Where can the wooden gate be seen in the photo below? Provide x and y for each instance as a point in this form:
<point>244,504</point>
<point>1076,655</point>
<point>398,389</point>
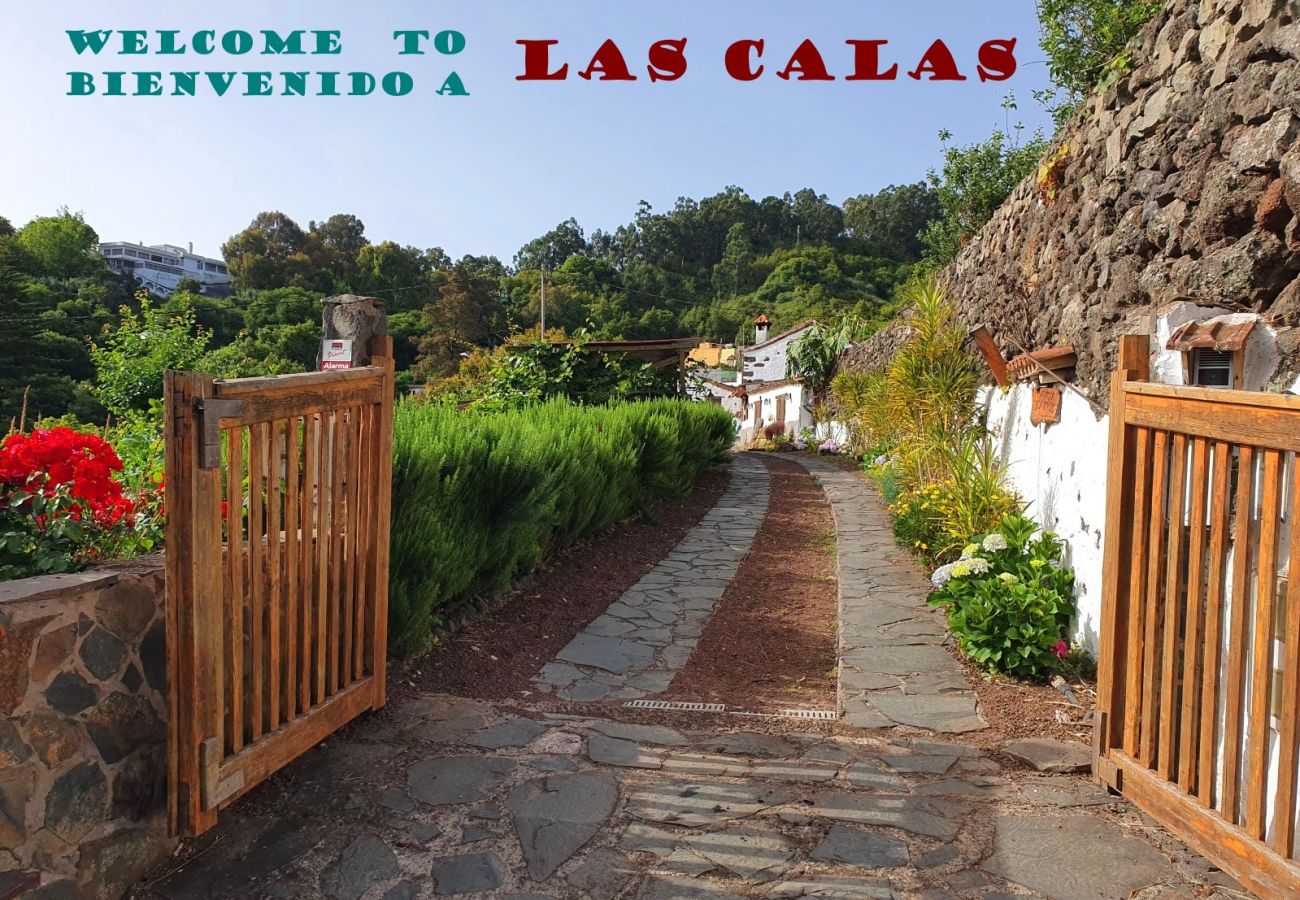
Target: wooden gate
<point>278,494</point>
<point>1199,676</point>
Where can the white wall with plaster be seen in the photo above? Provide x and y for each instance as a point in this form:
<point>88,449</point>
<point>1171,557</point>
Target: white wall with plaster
<point>1059,470</point>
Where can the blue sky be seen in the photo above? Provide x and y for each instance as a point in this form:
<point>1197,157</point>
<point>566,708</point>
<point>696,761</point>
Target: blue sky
<point>485,173</point>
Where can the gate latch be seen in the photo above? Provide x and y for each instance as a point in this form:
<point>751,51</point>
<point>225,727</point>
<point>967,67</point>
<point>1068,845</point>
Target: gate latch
<point>209,411</point>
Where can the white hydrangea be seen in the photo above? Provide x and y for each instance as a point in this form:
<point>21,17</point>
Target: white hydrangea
<point>942,575</point>
<point>970,550</point>
<point>977,565</point>
<point>995,542</point>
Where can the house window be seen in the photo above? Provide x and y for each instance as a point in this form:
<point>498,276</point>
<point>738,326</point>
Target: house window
<point>1212,368</point>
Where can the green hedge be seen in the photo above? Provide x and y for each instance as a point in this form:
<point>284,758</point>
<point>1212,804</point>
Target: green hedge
<point>479,498</point>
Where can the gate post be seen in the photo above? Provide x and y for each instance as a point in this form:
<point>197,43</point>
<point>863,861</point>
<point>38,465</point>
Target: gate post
<point>1133,365</point>
<point>381,354</point>
<point>193,606</point>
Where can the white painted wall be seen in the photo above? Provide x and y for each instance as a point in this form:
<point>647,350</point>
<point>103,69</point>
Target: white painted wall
<point>766,362</point>
<point>797,415</point>
<point>1059,470</point>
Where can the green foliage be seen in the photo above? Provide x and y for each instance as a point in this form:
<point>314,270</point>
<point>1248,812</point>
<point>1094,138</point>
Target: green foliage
<point>129,365</point>
<point>479,498</point>
<point>814,356</point>
<point>52,546</point>
<point>61,245</point>
<point>1009,599</point>
<point>1087,44</point>
<point>891,220</point>
<point>543,370</point>
<point>972,184</point>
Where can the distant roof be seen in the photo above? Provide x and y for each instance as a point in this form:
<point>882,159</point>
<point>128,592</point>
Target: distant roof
<point>1223,333</point>
<point>763,320</point>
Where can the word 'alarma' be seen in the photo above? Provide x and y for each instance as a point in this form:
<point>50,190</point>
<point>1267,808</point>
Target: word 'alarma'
<point>237,42</point>
<point>745,61</point>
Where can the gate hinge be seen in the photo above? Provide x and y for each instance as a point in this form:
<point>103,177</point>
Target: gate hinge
<point>209,411</point>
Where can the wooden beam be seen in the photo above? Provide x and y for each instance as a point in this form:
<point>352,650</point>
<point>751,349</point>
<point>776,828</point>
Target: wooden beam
<point>992,355</point>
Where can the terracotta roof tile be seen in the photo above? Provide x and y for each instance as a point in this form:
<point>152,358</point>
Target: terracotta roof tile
<point>1215,334</point>
<point>1027,365</point>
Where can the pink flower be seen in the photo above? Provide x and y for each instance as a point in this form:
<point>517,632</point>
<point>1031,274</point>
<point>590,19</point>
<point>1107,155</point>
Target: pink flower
<point>1062,649</point>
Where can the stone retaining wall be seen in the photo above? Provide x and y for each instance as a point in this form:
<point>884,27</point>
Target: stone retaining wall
<point>1181,181</point>
<point>83,743</point>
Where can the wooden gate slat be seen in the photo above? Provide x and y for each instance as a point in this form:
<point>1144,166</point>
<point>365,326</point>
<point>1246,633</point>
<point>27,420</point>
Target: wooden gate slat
<point>275,602</point>
<point>235,586</point>
<point>1166,758</point>
<point>292,531</point>
<point>360,544</point>
<point>1262,645</point>
<point>347,588</point>
<point>307,500</point>
<point>1198,480</point>
<point>1137,589</point>
<point>1235,676</point>
<point>1151,639</point>
<point>338,437</point>
<point>1289,728</point>
<point>1219,519</point>
<point>256,576</point>
<point>322,552</point>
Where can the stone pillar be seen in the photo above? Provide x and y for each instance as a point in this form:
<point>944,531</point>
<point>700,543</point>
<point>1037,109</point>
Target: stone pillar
<point>354,318</point>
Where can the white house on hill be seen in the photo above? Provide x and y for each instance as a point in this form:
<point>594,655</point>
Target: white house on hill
<point>762,397</point>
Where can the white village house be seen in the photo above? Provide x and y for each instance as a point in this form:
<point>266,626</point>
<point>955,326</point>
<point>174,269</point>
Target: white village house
<point>762,396</point>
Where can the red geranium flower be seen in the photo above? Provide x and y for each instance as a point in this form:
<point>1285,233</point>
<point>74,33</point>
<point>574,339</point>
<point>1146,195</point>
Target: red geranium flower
<point>49,459</point>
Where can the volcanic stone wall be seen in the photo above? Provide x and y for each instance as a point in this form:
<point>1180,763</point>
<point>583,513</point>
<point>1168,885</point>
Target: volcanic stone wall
<point>82,744</point>
<point>1179,182</point>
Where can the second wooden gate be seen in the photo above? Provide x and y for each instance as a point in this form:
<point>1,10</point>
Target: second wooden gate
<point>278,493</point>
<point>1199,677</point>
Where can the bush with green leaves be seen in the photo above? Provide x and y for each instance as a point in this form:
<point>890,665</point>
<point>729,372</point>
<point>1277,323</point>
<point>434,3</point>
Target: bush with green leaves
<point>480,497</point>
<point>1010,599</point>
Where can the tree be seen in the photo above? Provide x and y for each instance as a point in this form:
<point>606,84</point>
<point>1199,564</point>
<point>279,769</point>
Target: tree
<point>129,364</point>
<point>464,316</point>
<point>972,185</point>
<point>1087,42</point>
<point>6,227</point>
<point>399,275</point>
<point>891,220</point>
<point>60,246</point>
<point>819,220</point>
<point>336,243</point>
<point>269,253</point>
<point>282,306</point>
<point>551,249</point>
<point>733,274</point>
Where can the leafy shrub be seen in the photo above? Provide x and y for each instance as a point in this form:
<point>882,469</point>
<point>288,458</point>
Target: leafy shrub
<point>61,502</point>
<point>1009,599</point>
<point>480,497</point>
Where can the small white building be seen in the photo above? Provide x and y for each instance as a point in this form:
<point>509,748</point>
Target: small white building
<point>161,267</point>
<point>762,398</point>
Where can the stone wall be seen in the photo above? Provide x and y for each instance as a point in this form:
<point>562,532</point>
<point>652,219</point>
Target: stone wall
<point>1179,182</point>
<point>83,744</point>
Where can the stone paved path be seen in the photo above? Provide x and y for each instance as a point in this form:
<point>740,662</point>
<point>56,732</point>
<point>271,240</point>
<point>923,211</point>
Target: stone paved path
<point>893,669</point>
<point>447,796</point>
<point>460,797</point>
<point>644,639</point>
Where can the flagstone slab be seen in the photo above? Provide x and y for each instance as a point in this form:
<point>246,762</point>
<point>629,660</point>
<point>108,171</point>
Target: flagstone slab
<point>893,667</point>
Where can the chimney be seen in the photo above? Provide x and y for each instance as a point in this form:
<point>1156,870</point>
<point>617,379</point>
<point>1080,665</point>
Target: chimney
<point>761,326</point>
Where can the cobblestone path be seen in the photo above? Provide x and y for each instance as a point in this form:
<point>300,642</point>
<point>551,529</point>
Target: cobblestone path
<point>893,669</point>
<point>643,640</point>
<point>449,796</point>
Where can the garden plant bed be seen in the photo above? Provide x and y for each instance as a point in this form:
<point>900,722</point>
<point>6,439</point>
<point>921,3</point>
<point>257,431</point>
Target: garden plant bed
<point>496,655</point>
<point>771,641</point>
<point>1022,709</point>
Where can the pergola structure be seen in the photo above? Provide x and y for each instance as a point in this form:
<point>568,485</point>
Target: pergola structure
<point>661,354</point>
